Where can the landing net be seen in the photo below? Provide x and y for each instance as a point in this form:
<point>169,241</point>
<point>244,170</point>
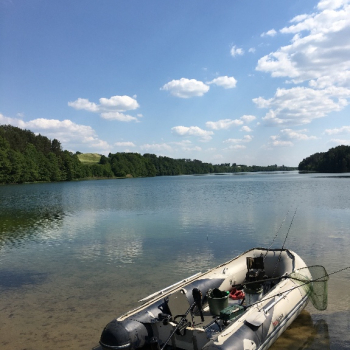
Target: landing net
<point>314,280</point>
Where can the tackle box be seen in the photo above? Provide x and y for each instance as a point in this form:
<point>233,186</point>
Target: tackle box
<point>231,312</point>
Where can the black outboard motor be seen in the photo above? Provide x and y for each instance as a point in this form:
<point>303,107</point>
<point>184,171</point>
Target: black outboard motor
<point>123,335</point>
<point>256,273</point>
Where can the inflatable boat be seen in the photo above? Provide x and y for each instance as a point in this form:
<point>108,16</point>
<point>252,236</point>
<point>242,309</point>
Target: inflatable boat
<point>243,304</point>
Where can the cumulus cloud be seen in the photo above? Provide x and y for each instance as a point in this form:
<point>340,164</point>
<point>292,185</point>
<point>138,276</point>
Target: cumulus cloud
<point>235,51</point>
<point>252,50</point>
<point>318,52</point>
<point>296,135</point>
<point>271,32</point>
<point>109,108</point>
<point>287,136</point>
<point>248,118</point>
<point>223,124</point>
<point>340,141</point>
<point>119,103</point>
<point>118,116</point>
<point>246,129</point>
<point>280,143</point>
<point>225,81</point>
<point>338,131</point>
<point>83,103</point>
<point>204,135</point>
<point>246,138</point>
<point>186,88</point>
<point>227,123</point>
<point>300,105</point>
<point>68,132</point>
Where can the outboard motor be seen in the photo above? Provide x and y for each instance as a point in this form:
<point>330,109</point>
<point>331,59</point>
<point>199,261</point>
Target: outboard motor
<point>253,288</point>
<point>123,335</point>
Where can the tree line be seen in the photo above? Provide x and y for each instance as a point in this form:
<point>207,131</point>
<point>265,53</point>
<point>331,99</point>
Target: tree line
<point>26,157</point>
<point>335,160</point>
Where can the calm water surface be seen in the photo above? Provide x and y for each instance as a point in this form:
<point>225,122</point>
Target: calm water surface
<point>75,255</point>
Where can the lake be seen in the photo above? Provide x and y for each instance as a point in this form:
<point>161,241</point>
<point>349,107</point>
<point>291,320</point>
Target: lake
<point>75,255</point>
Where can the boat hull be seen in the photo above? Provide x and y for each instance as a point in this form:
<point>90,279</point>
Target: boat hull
<point>155,322</point>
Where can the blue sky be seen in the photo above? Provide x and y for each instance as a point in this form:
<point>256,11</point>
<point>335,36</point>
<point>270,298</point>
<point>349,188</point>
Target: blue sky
<point>249,82</point>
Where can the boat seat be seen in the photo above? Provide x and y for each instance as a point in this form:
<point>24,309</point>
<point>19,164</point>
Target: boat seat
<point>178,303</point>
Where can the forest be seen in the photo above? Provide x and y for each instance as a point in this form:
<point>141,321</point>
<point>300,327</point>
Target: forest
<point>335,160</point>
<point>26,157</point>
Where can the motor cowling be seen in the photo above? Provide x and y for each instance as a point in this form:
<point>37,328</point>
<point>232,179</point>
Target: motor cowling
<point>124,335</point>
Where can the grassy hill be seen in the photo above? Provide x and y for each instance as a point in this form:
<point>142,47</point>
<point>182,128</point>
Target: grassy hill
<point>89,158</point>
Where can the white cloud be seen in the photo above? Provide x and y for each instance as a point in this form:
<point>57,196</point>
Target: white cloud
<point>340,142</point>
<point>319,49</point>
<point>337,131</point>
<point>287,136</point>
<point>192,131</point>
<point>186,88</point>
<point>246,138</point>
<point>252,50</point>
<point>118,116</point>
<point>331,4</point>
<point>271,32</point>
<point>69,133</point>
<point>236,51</point>
<point>225,81</point>
<point>248,118</point>
<point>296,135</point>
<point>279,143</point>
<point>223,124</point>
<point>227,123</point>
<point>119,103</point>
<point>246,129</point>
<point>125,144</point>
<point>109,108</point>
<point>301,105</point>
<point>83,103</point>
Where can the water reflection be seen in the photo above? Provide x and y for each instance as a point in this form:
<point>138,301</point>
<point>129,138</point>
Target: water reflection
<point>122,250</point>
<point>17,227</point>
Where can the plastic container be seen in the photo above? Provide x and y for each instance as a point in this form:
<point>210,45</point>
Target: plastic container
<point>231,312</point>
<point>217,300</point>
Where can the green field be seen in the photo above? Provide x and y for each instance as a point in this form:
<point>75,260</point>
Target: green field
<point>89,158</point>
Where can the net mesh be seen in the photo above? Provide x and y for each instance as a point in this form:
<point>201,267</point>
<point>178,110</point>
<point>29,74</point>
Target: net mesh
<point>314,280</point>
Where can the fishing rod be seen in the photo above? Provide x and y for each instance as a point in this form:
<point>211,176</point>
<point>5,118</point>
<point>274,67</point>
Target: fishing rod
<point>285,239</point>
<point>283,221</point>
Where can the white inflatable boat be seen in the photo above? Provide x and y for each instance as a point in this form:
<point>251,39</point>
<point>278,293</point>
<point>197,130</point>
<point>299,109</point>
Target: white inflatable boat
<point>244,304</point>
